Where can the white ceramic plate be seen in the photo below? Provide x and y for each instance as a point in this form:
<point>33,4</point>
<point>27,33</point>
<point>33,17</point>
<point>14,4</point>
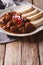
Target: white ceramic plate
<point>16,9</point>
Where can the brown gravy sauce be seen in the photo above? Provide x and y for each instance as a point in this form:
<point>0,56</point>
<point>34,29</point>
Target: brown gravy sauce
<point>29,29</point>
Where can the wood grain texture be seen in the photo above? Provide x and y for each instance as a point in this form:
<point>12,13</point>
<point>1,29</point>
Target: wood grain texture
<point>38,3</point>
<point>13,53</point>
<point>40,43</point>
<point>30,52</point>
<point>2,52</point>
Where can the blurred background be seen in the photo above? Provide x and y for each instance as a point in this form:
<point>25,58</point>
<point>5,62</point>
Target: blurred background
<point>7,3</point>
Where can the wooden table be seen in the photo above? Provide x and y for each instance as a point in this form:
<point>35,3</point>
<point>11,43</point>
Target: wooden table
<point>26,51</point>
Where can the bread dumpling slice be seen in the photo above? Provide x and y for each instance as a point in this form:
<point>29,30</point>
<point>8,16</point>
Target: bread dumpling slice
<point>24,10</point>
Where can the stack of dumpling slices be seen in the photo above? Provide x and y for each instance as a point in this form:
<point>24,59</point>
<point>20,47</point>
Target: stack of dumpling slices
<point>32,14</point>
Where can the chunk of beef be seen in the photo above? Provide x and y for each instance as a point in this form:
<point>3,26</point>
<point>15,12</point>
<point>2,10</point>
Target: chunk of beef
<point>7,26</point>
<point>3,20</point>
<point>8,17</point>
<point>14,29</point>
<point>10,23</point>
<point>21,30</point>
<point>22,24</point>
<point>29,28</point>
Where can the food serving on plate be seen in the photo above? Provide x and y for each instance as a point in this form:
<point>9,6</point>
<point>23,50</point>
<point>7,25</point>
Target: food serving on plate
<point>15,23</point>
<point>21,21</point>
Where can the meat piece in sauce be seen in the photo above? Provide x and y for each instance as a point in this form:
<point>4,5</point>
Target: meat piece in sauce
<point>10,13</point>
<point>29,27</point>
<point>21,30</point>
<point>3,20</point>
<point>8,17</point>
<point>14,29</point>
<point>10,23</point>
<point>7,26</point>
<point>21,25</point>
<point>14,22</point>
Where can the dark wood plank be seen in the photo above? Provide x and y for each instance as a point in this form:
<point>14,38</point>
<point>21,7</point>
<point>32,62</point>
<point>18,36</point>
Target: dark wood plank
<point>40,43</point>
<point>30,52</point>
<point>2,54</point>
<point>13,53</point>
<point>39,3</point>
